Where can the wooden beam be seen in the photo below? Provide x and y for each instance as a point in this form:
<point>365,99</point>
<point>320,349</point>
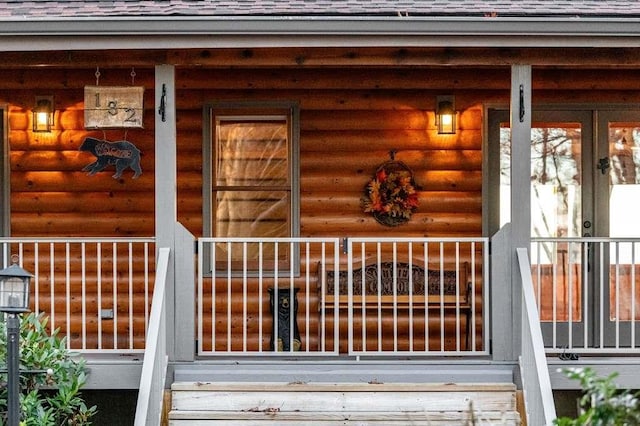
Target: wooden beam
<point>327,57</point>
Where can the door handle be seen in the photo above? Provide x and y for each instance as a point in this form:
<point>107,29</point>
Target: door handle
<point>603,165</point>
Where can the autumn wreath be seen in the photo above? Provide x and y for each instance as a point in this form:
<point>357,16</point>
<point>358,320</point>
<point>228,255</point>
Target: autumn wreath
<point>390,196</point>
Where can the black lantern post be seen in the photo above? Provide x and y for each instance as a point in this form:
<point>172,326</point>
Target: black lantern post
<point>14,299</point>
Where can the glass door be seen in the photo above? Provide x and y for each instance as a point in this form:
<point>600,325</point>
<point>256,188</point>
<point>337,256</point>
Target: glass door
<point>618,209</point>
<point>561,210</point>
<point>585,182</point>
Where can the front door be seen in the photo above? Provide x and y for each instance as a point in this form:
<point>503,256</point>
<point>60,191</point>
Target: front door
<point>583,184</point>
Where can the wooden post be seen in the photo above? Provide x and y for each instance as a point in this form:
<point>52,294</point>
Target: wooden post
<point>184,298</point>
<point>166,183</point>
<point>501,289</point>
<point>520,187</point>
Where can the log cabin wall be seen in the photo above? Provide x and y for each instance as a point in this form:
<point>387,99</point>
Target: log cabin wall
<point>351,118</point>
<point>353,112</point>
<point>50,194</point>
<point>52,197</point>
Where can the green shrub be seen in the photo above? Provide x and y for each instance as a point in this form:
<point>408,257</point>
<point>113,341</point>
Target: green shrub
<point>52,396</point>
<point>602,403</point>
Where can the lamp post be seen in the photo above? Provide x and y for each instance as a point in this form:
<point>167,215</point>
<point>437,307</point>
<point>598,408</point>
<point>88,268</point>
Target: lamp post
<point>14,299</point>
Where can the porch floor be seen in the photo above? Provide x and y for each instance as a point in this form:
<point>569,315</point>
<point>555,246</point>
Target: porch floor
<point>627,368</point>
<point>122,371</point>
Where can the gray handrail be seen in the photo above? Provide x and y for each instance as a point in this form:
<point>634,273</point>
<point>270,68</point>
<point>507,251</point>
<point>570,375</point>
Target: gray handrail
<point>154,366</point>
<point>536,383</point>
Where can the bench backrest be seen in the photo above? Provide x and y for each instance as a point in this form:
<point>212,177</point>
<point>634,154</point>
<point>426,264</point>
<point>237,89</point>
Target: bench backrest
<point>379,279</point>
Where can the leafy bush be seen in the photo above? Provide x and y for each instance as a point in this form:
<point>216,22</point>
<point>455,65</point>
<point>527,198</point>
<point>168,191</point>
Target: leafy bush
<point>50,396</point>
<point>602,403</point>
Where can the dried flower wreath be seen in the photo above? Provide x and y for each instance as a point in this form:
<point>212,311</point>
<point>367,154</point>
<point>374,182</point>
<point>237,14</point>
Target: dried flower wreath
<point>390,196</point>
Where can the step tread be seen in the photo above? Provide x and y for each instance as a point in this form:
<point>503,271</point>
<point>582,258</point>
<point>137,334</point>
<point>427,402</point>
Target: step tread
<point>341,387</point>
<point>327,415</point>
<point>298,422</point>
<point>344,401</point>
<point>262,403</point>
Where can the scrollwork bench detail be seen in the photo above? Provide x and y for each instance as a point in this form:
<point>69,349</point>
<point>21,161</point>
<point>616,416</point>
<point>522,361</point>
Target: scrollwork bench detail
<point>448,289</point>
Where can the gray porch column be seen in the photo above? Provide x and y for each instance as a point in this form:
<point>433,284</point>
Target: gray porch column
<point>520,186</point>
<point>166,183</point>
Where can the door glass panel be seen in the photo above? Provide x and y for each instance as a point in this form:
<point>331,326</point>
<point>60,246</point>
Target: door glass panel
<point>624,205</point>
<point>556,211</point>
<point>624,174</point>
<point>556,183</point>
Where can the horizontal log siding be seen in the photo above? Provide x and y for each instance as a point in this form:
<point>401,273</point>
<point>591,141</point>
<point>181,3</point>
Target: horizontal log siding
<point>350,120</point>
<point>50,194</point>
<point>52,197</point>
<point>356,106</point>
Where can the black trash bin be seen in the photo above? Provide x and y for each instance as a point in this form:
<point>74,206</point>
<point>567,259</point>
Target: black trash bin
<point>286,318</point>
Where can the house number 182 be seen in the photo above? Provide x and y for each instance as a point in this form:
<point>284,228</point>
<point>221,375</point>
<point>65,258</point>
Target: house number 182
<point>113,107</point>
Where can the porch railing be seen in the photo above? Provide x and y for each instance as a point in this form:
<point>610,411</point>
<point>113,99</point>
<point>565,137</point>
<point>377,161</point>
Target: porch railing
<point>588,293</point>
<point>243,281</point>
<point>538,395</point>
<point>95,290</point>
<point>364,296</point>
<point>436,293</point>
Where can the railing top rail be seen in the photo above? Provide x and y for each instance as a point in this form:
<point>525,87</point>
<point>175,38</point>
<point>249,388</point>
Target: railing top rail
<point>420,239</point>
<point>584,239</point>
<point>77,239</point>
<point>268,240</point>
<point>360,239</point>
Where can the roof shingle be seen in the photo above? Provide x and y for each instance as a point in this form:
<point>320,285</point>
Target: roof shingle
<point>150,8</point>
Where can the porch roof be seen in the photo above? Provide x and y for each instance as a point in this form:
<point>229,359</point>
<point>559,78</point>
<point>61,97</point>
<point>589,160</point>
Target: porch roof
<point>49,25</point>
<point>488,8</point>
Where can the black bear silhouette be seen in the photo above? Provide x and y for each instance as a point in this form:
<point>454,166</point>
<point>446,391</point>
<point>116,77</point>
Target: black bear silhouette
<point>122,154</point>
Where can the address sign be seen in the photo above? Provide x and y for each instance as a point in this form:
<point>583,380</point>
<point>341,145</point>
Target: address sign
<point>113,107</point>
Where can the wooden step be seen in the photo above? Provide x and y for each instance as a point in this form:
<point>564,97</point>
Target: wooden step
<point>342,404</point>
<point>317,418</point>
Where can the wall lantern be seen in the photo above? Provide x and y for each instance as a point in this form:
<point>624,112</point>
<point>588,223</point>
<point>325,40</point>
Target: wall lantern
<point>445,115</point>
<point>43,114</point>
<point>14,299</point>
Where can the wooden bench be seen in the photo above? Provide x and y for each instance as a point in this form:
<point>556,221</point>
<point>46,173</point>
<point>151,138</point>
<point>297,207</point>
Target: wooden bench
<point>447,291</point>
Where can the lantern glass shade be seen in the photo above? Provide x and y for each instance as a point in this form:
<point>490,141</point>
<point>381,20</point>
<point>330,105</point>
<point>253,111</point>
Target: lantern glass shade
<point>445,115</point>
<point>43,114</point>
<point>14,289</point>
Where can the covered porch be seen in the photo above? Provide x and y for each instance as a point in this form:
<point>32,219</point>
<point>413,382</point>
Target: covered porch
<point>443,289</point>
